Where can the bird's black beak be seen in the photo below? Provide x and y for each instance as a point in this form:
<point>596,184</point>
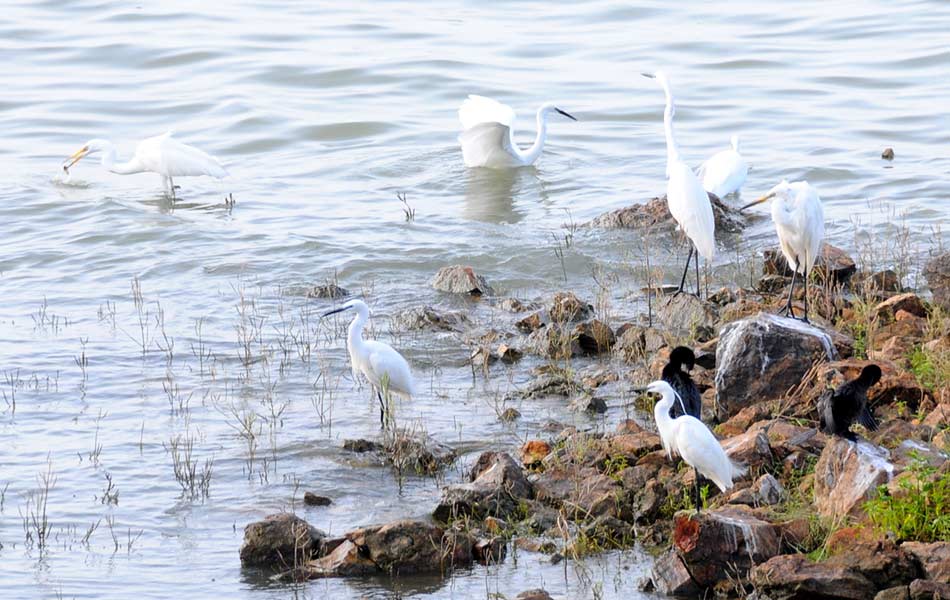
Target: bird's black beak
<point>649,75</point>
<point>642,389</point>
<point>571,117</point>
<point>334,311</point>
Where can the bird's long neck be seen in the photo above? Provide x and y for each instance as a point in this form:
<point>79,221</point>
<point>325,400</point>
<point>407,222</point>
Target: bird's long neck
<point>354,335</point>
<point>534,151</point>
<point>664,423</point>
<point>109,159</point>
<point>672,150</point>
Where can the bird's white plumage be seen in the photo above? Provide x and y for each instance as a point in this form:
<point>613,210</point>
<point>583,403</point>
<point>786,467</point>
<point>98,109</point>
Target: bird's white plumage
<point>479,109</point>
<point>487,137</point>
<point>161,154</point>
<point>725,172</point>
<point>800,223</point>
<point>688,202</point>
<point>689,438</point>
<point>383,367</point>
<point>691,209</point>
<point>165,155</point>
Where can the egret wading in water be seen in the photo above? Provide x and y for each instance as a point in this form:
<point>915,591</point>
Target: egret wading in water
<point>688,437</point>
<point>161,154</point>
<point>690,400</point>
<point>725,171</point>
<point>848,404</point>
<point>687,200</point>
<point>488,136</point>
<point>800,223</point>
<point>385,369</point>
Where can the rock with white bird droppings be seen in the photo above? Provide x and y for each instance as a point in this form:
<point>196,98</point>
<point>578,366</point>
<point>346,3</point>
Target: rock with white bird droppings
<point>459,279</point>
<point>761,357</point>
<point>847,474</point>
<point>720,543</point>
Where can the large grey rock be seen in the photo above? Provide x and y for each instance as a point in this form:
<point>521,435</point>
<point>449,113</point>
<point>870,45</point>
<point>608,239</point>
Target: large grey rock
<point>832,260</point>
<point>496,487</point>
<point>686,314</point>
<point>429,318</point>
<point>280,541</point>
<point>459,279</point>
<point>937,272</point>
<point>933,557</point>
<point>761,357</point>
<point>671,577</point>
<point>847,474</point>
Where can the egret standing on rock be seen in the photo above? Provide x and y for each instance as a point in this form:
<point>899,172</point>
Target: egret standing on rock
<point>688,202</point>
<point>385,369</point>
<point>691,439</point>
<point>488,139</point>
<point>682,383</point>
<point>161,154</point>
<point>725,171</point>
<point>800,223</point>
<point>849,404</point>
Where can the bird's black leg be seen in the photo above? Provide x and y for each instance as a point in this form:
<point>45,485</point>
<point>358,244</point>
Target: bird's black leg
<point>689,256</point>
<point>805,318</point>
<point>789,311</point>
<point>382,409</point>
<point>698,292</point>
<point>172,187</point>
<point>699,499</point>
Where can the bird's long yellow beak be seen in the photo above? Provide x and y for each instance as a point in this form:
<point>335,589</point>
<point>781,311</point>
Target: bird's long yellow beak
<point>759,201</point>
<point>76,157</point>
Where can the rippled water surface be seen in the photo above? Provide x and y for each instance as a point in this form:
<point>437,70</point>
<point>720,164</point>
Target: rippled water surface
<point>322,113</point>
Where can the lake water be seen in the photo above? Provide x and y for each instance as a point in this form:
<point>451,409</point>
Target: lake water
<point>323,112</point>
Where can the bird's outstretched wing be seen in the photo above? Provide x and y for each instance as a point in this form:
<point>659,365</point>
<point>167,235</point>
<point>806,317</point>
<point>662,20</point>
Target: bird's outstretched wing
<point>866,418</point>
<point>826,418</point>
<point>487,145</point>
<point>476,110</point>
<point>164,154</point>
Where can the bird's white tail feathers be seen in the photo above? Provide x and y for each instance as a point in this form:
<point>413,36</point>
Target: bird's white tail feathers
<point>738,469</point>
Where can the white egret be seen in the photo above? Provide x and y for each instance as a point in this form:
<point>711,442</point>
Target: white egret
<point>691,403</point>
<point>384,368</point>
<point>848,404</point>
<point>488,138</point>
<point>162,154</point>
<point>725,171</point>
<point>687,200</point>
<point>688,437</point>
<point>800,223</point>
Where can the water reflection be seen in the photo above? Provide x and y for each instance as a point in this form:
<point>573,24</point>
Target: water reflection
<point>490,193</point>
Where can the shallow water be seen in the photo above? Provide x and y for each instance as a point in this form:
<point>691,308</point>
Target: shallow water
<point>322,114</point>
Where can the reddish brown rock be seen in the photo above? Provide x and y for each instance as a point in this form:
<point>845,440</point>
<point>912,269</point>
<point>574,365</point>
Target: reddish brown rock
<point>655,215</point>
<point>723,542</point>
<point>583,493</point>
<point>908,302</point>
<point>795,577</point>
<point>533,451</point>
<point>537,594</point>
<point>881,561</point>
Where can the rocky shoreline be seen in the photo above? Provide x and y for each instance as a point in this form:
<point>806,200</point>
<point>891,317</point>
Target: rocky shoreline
<point>796,526</point>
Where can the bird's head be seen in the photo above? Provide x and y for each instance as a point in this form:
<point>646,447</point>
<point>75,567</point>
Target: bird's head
<point>550,107</point>
<point>870,375</point>
<point>91,147</point>
<point>782,191</point>
<point>358,305</point>
<point>660,387</point>
<point>683,356</point>
<point>660,76</point>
